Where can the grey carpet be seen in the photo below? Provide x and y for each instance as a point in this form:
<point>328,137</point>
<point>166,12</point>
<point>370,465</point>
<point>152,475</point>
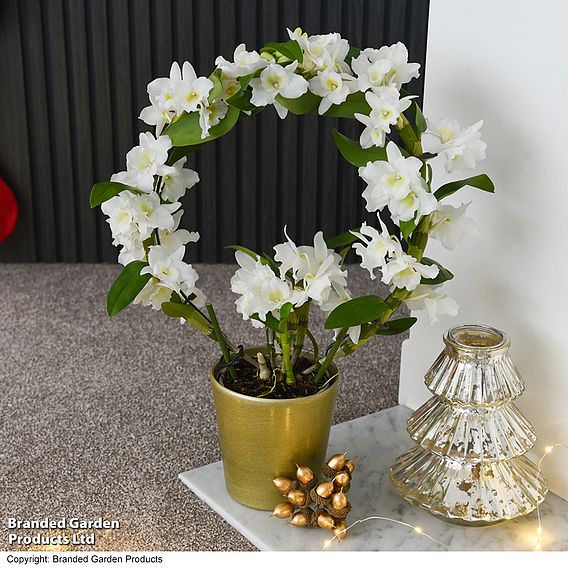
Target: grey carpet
<point>98,417</point>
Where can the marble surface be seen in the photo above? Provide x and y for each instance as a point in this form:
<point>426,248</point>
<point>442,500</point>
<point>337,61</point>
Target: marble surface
<point>376,440</point>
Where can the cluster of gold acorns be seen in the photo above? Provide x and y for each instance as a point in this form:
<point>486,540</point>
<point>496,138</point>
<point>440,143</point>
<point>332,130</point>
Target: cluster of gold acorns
<point>317,505</point>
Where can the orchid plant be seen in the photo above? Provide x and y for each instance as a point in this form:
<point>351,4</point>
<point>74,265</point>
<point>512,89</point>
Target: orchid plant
<point>319,74</point>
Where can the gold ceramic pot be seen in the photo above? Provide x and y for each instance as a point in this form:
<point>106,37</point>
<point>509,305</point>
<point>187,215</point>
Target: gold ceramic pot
<point>262,438</point>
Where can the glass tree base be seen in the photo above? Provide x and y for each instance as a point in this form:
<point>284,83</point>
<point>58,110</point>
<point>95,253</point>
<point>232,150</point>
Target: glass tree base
<point>476,494</point>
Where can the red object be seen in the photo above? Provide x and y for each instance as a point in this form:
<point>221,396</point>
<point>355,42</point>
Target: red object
<point>8,211</point>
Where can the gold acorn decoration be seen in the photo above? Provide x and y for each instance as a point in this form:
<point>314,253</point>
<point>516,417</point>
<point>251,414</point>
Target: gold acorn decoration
<point>340,529</point>
<point>299,519</point>
<point>339,500</point>
<point>283,510</point>
<point>336,462</point>
<point>350,465</point>
<point>304,474</point>
<point>298,497</point>
<point>317,504</point>
<point>325,489</point>
<point>283,484</point>
<point>325,520</point>
<point>342,479</point>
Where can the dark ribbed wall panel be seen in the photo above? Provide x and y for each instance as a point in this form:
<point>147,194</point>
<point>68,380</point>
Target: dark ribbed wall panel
<point>74,76</point>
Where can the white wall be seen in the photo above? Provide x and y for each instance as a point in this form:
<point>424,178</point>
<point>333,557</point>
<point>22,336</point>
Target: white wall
<point>506,62</point>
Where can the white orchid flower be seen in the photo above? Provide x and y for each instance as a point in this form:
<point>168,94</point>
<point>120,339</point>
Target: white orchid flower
<point>121,213</point>
<point>316,269</point>
<point>277,80</point>
<point>401,71</point>
<point>192,91</point>
<point>210,115</point>
<point>154,116</point>
<point>154,294</point>
<point>162,107</point>
<point>461,147</point>
<point>260,290</point>
<point>404,271</point>
<point>170,269</point>
<point>132,249</point>
<point>397,183</point>
<point>371,70</point>
<point>176,238</point>
<point>416,203</point>
<point>332,87</point>
<point>176,180</point>
<point>337,297</point>
<point>143,162</point>
<point>245,62</point>
<point>150,214</point>
<point>327,51</point>
<point>386,106</point>
<point>431,299</point>
<point>121,216</point>
<point>375,247</point>
<point>450,225</point>
<point>230,87</point>
<point>394,176</point>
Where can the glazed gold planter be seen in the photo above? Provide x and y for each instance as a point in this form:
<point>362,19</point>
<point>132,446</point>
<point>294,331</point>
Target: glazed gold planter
<point>262,438</point>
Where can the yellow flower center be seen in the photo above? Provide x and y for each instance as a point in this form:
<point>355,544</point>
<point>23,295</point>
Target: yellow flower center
<point>192,96</point>
<point>274,81</point>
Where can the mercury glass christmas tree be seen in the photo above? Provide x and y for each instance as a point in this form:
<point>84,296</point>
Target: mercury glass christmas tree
<point>469,465</point>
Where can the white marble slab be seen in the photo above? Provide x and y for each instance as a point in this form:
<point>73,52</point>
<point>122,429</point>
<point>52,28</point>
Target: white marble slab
<point>376,440</point>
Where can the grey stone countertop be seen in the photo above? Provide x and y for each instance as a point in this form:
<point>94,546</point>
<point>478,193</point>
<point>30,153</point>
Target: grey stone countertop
<point>99,417</point>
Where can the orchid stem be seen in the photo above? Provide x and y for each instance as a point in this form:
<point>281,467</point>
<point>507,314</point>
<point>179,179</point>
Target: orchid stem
<point>222,342</point>
<point>290,378</point>
<point>331,354</point>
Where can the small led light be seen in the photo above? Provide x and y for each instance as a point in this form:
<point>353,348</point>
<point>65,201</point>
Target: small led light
<point>326,543</point>
<point>418,530</point>
<point>539,531</point>
<point>548,449</point>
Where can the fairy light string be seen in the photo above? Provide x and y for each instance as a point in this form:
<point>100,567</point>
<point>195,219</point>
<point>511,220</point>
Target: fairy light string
<point>539,530</point>
<point>416,529</point>
<point>547,451</point>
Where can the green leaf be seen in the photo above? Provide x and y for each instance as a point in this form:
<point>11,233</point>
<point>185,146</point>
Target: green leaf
<point>406,228</point>
<point>419,119</point>
<point>267,259</point>
<point>180,152</point>
<point>353,152</point>
<point>343,253</point>
<point>251,253</point>
<point>270,322</point>
<point>186,130</point>
<point>217,86</point>
<point>351,54</point>
<point>176,298</point>
<point>341,240</point>
<point>241,100</point>
<point>356,312</point>
<point>126,287</point>
<point>106,190</point>
<point>285,311</point>
<point>291,49</point>
<point>245,80</point>
<point>355,102</point>
<point>190,314</point>
<point>443,275</point>
<point>305,104</point>
<point>394,327</point>
<point>482,181</point>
